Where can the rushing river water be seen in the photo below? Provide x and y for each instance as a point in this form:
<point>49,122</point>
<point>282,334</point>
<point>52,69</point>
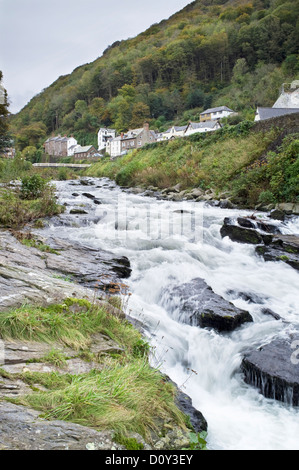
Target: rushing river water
<point>168,244</point>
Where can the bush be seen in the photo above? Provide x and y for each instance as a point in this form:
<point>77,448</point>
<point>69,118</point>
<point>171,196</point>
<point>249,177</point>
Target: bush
<point>266,197</point>
<point>33,187</point>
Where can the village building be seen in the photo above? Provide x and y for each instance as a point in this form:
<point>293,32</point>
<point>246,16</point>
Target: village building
<point>104,135</point>
<point>173,132</point>
<point>216,113</point>
<point>82,153</point>
<point>113,147</point>
<point>60,146</point>
<point>208,126</point>
<point>287,103</point>
<point>131,140</point>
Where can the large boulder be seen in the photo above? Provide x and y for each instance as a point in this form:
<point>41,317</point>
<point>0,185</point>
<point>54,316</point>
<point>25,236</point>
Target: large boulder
<point>199,305</point>
<point>273,369</point>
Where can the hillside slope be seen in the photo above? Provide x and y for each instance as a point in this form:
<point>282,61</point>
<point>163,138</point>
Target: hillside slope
<point>251,162</point>
<point>213,52</point>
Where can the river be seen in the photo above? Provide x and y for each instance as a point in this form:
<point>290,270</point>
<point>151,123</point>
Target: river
<point>170,243</point>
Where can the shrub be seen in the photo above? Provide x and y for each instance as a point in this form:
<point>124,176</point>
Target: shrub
<point>32,187</point>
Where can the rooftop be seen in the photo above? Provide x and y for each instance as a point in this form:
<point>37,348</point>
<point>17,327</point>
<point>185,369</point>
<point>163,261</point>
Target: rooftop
<point>215,110</point>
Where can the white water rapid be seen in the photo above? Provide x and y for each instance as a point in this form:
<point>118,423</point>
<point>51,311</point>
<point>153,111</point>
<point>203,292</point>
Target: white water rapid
<point>168,247</point>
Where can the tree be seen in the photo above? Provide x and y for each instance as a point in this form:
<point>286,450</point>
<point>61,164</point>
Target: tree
<point>5,138</point>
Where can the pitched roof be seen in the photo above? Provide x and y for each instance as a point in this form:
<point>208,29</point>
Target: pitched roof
<point>215,110</point>
<point>84,149</point>
<point>200,125</point>
<point>268,113</point>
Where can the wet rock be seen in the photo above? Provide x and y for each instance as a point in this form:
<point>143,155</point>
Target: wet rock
<point>28,275</point>
<point>226,204</point>
<point>78,211</point>
<point>199,305</point>
<point>268,311</point>
<point>282,248</point>
<point>240,234</point>
<point>273,369</point>
<point>277,214</point>
<point>88,195</point>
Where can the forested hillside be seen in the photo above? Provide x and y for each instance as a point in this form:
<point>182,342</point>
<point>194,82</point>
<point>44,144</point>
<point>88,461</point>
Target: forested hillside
<point>213,52</point>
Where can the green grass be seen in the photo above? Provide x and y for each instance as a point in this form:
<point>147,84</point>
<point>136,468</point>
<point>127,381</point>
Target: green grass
<point>125,395</point>
<point>71,324</point>
<point>196,161</point>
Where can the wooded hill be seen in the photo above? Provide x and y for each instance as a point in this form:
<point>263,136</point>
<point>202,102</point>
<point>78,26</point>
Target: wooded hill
<point>213,52</point>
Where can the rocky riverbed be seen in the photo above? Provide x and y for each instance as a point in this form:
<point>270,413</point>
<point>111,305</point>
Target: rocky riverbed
<point>29,275</point>
<point>75,266</point>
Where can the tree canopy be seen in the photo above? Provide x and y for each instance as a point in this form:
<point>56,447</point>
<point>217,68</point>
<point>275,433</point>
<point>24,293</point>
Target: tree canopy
<point>213,52</point>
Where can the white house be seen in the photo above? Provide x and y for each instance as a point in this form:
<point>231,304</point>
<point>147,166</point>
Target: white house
<point>71,144</point>
<point>103,136</point>
<point>113,147</point>
<point>208,126</point>
<point>174,131</point>
<point>216,113</point>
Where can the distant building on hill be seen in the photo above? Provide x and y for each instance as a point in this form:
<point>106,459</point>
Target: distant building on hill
<point>173,132</point>
<point>287,103</point>
<point>208,126</point>
<point>216,113</point>
<point>60,146</point>
<point>103,136</point>
<point>133,139</point>
<point>82,153</point>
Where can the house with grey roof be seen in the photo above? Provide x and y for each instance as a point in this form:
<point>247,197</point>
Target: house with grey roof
<point>287,103</point>
<point>131,140</point>
<point>81,153</point>
<point>216,113</point>
<point>173,132</point>
<point>60,146</point>
<point>207,126</point>
<point>268,113</point>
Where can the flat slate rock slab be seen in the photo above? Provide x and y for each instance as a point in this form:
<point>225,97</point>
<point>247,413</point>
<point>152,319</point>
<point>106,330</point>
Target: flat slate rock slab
<point>274,369</point>
<point>200,306</point>
<point>22,429</point>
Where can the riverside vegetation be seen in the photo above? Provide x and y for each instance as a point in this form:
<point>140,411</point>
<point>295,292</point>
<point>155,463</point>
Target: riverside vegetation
<point>236,160</point>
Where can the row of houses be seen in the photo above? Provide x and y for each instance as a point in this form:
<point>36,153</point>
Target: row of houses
<point>117,145</point>
<point>65,146</point>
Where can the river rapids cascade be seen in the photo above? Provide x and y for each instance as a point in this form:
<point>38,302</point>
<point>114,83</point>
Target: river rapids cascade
<point>169,245</point>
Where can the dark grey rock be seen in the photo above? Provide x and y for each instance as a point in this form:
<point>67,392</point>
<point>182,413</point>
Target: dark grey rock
<point>273,369</point>
<point>240,234</point>
<point>282,248</point>
<point>200,306</point>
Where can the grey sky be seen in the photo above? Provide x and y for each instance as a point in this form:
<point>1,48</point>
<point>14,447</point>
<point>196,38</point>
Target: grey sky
<point>41,39</point>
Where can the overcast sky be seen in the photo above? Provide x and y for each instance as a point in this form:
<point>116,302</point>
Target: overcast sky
<point>43,39</point>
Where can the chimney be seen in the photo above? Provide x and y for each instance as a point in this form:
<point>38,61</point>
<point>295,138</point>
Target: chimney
<point>121,135</point>
<point>146,126</point>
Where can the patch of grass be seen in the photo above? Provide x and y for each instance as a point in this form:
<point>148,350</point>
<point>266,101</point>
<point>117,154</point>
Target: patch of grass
<point>123,397</point>
<point>126,395</point>
<point>71,324</point>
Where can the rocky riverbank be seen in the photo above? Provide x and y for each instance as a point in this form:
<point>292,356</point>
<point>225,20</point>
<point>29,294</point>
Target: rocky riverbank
<point>44,277</point>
